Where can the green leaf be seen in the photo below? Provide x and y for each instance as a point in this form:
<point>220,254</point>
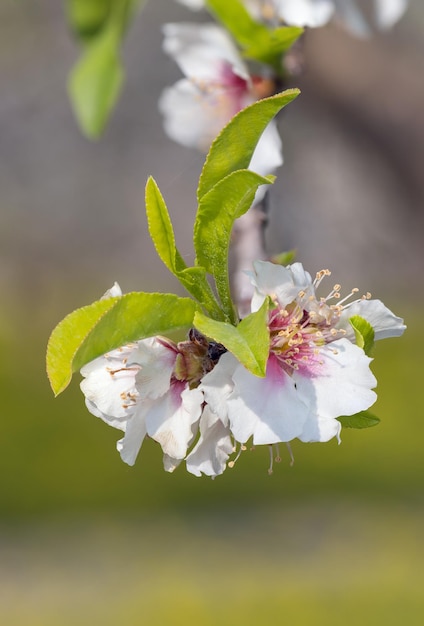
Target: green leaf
<point>284,258</point>
<point>218,209</point>
<point>87,17</point>
<point>96,80</point>
<point>195,281</point>
<point>364,419</point>
<point>257,40</point>
<point>160,228</point>
<point>270,49</point>
<point>110,323</point>
<point>238,21</point>
<point>364,333</point>
<point>95,83</point>
<point>162,233</point>
<point>233,148</point>
<point>249,341</point>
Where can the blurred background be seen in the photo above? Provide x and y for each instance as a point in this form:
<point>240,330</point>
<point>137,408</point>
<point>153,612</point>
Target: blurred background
<point>337,538</point>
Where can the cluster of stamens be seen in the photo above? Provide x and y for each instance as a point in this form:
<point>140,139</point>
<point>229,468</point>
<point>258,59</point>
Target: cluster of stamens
<point>303,327</point>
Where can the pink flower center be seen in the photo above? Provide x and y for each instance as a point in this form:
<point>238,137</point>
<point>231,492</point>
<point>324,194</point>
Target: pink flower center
<point>301,329</point>
<point>295,339</point>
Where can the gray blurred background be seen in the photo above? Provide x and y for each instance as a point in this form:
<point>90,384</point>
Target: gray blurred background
<point>349,196</point>
<point>84,539</point>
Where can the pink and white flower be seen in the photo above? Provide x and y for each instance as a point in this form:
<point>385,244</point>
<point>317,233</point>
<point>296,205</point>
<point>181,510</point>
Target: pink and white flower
<point>348,13</point>
<point>311,13</point>
<point>316,13</point>
<point>195,394</point>
<point>216,86</point>
<point>140,390</point>
<point>315,373</point>
<point>213,448</point>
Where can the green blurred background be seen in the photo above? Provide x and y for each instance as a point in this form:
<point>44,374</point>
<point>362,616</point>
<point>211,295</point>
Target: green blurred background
<point>337,538</point>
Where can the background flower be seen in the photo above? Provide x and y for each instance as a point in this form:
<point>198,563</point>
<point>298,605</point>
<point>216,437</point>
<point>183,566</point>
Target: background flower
<point>353,15</point>
<point>216,87</point>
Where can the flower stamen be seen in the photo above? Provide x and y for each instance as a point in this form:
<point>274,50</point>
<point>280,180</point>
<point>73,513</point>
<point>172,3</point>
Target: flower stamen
<point>289,448</point>
<point>234,461</point>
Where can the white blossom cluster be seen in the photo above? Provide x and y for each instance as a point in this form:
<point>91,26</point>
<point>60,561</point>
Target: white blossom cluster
<point>216,86</point>
<point>350,14</point>
<point>218,83</point>
<point>201,405</point>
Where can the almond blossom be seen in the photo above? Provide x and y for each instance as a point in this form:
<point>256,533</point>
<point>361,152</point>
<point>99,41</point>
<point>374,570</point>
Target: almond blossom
<point>138,390</point>
<point>216,86</point>
<point>144,389</point>
<point>198,401</point>
<point>315,372</point>
<point>150,388</point>
<point>315,13</point>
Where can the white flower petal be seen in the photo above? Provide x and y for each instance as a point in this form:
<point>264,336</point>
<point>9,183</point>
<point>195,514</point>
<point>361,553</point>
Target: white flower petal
<point>200,51</point>
<point>267,157</point>
<point>156,363</point>
<point>115,290</point>
<point>384,322</point>
<point>388,12</point>
<point>195,5</point>
<point>301,278</point>
<point>170,464</point>
<point>218,384</point>
<point>320,429</point>
<point>171,419</point>
<point>337,382</point>
<point>130,445</point>
<point>270,409</point>
<point>210,454</point>
<point>193,117</point>
<point>268,153</point>
<point>111,420</point>
<point>275,281</point>
<point>110,385</point>
<point>311,13</point>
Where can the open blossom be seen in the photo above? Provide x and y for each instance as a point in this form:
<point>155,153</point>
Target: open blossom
<point>216,86</point>
<point>138,388</point>
<point>197,400</point>
<point>150,388</point>
<point>312,13</point>
<point>315,372</point>
<point>315,13</point>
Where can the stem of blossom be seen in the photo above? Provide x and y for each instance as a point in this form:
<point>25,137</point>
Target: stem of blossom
<point>248,245</point>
